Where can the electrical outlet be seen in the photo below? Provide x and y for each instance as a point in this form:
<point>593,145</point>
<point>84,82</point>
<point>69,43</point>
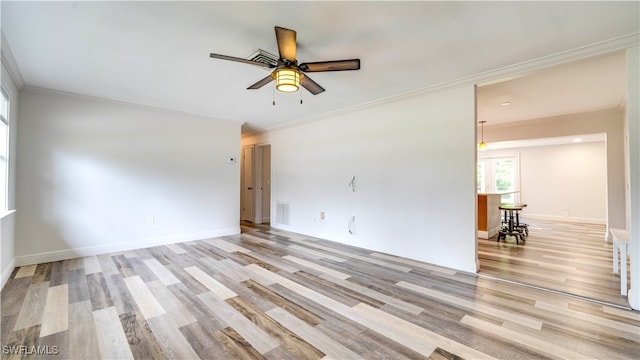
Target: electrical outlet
<point>322,215</point>
<point>151,220</point>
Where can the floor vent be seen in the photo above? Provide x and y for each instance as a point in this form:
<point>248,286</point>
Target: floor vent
<point>264,57</point>
<point>282,213</point>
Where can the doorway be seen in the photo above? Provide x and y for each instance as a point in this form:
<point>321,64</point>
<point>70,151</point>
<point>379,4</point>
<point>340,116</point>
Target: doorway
<point>255,182</point>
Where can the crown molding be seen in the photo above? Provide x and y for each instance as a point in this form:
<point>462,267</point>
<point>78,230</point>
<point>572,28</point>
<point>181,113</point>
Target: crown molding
<point>524,68</point>
<point>10,63</point>
<point>493,76</point>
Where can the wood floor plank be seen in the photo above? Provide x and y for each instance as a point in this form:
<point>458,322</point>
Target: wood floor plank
<point>180,314</point>
<point>202,340</point>
<point>55,317</point>
<point>53,347</point>
<point>235,345</point>
<point>91,265</point>
<point>112,340</point>
<point>415,264</point>
<point>230,269</point>
<point>83,340</point>
<point>75,264</point>
<point>392,301</point>
<point>98,291</point>
<point>172,341</point>
<point>245,259</point>
<point>33,306</point>
<point>142,342</point>
<point>227,246</point>
<point>273,262</point>
<point>206,317</point>
<point>120,295</point>
<point>42,273</point>
<point>342,294</point>
<point>322,342</point>
<point>296,310</point>
<point>363,258</point>
<point>315,254</point>
<point>412,336</point>
<point>13,296</point>
<point>147,303</point>
<point>441,354</point>
<point>59,273</point>
<point>525,340</point>
<point>210,283</point>
<point>498,313</point>
<point>290,340</point>
<point>255,238</point>
<point>141,269</point>
<point>20,341</point>
<point>318,267</point>
<point>123,265</point>
<point>107,265</point>
<point>176,248</point>
<point>259,339</point>
<point>77,284</point>
<point>161,272</point>
<point>25,271</point>
<point>628,331</point>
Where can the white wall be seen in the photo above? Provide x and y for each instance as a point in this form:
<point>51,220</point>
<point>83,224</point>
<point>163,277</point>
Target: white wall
<point>610,122</point>
<point>562,182</point>
<point>96,176</point>
<point>414,162</point>
<point>7,220</point>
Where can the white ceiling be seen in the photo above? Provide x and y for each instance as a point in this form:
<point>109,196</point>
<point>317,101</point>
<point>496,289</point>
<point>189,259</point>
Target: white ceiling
<point>157,53</point>
<point>597,83</point>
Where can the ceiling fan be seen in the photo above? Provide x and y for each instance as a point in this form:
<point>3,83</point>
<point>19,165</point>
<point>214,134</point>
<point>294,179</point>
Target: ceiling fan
<point>288,74</point>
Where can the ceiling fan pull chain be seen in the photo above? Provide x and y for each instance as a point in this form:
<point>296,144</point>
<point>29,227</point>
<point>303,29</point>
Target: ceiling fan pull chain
<point>300,97</point>
<point>274,96</point>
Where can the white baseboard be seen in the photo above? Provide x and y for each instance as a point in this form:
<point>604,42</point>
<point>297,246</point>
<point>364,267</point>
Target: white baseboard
<point>123,246</point>
<point>565,219</point>
<point>6,272</point>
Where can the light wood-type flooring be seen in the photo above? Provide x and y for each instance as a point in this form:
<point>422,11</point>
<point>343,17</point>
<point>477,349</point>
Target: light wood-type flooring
<point>268,294</point>
<point>562,256</point>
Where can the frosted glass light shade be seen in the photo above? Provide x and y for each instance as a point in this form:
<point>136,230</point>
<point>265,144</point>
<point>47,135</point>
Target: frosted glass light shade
<point>287,80</point>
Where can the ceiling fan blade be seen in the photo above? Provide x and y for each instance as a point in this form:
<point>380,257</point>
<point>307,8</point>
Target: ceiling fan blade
<point>237,59</point>
<point>286,43</point>
<point>311,85</point>
<point>261,83</point>
<point>337,65</point>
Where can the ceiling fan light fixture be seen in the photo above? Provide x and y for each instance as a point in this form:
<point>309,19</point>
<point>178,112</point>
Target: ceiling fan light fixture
<point>287,80</point>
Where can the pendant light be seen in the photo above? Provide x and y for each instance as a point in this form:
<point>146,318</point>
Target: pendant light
<point>482,145</point>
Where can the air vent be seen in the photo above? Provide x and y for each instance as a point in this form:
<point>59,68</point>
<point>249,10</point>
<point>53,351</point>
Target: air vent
<point>264,57</point>
<point>282,213</point>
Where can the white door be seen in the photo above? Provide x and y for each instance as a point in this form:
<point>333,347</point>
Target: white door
<point>247,191</point>
<point>266,184</point>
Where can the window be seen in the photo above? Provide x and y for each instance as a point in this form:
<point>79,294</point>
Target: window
<point>498,175</point>
<point>4,149</point>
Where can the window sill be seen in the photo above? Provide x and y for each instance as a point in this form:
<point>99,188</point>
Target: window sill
<point>6,213</point>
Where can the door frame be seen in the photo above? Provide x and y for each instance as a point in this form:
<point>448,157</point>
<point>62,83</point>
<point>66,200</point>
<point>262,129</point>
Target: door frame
<point>247,193</point>
<point>259,183</point>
